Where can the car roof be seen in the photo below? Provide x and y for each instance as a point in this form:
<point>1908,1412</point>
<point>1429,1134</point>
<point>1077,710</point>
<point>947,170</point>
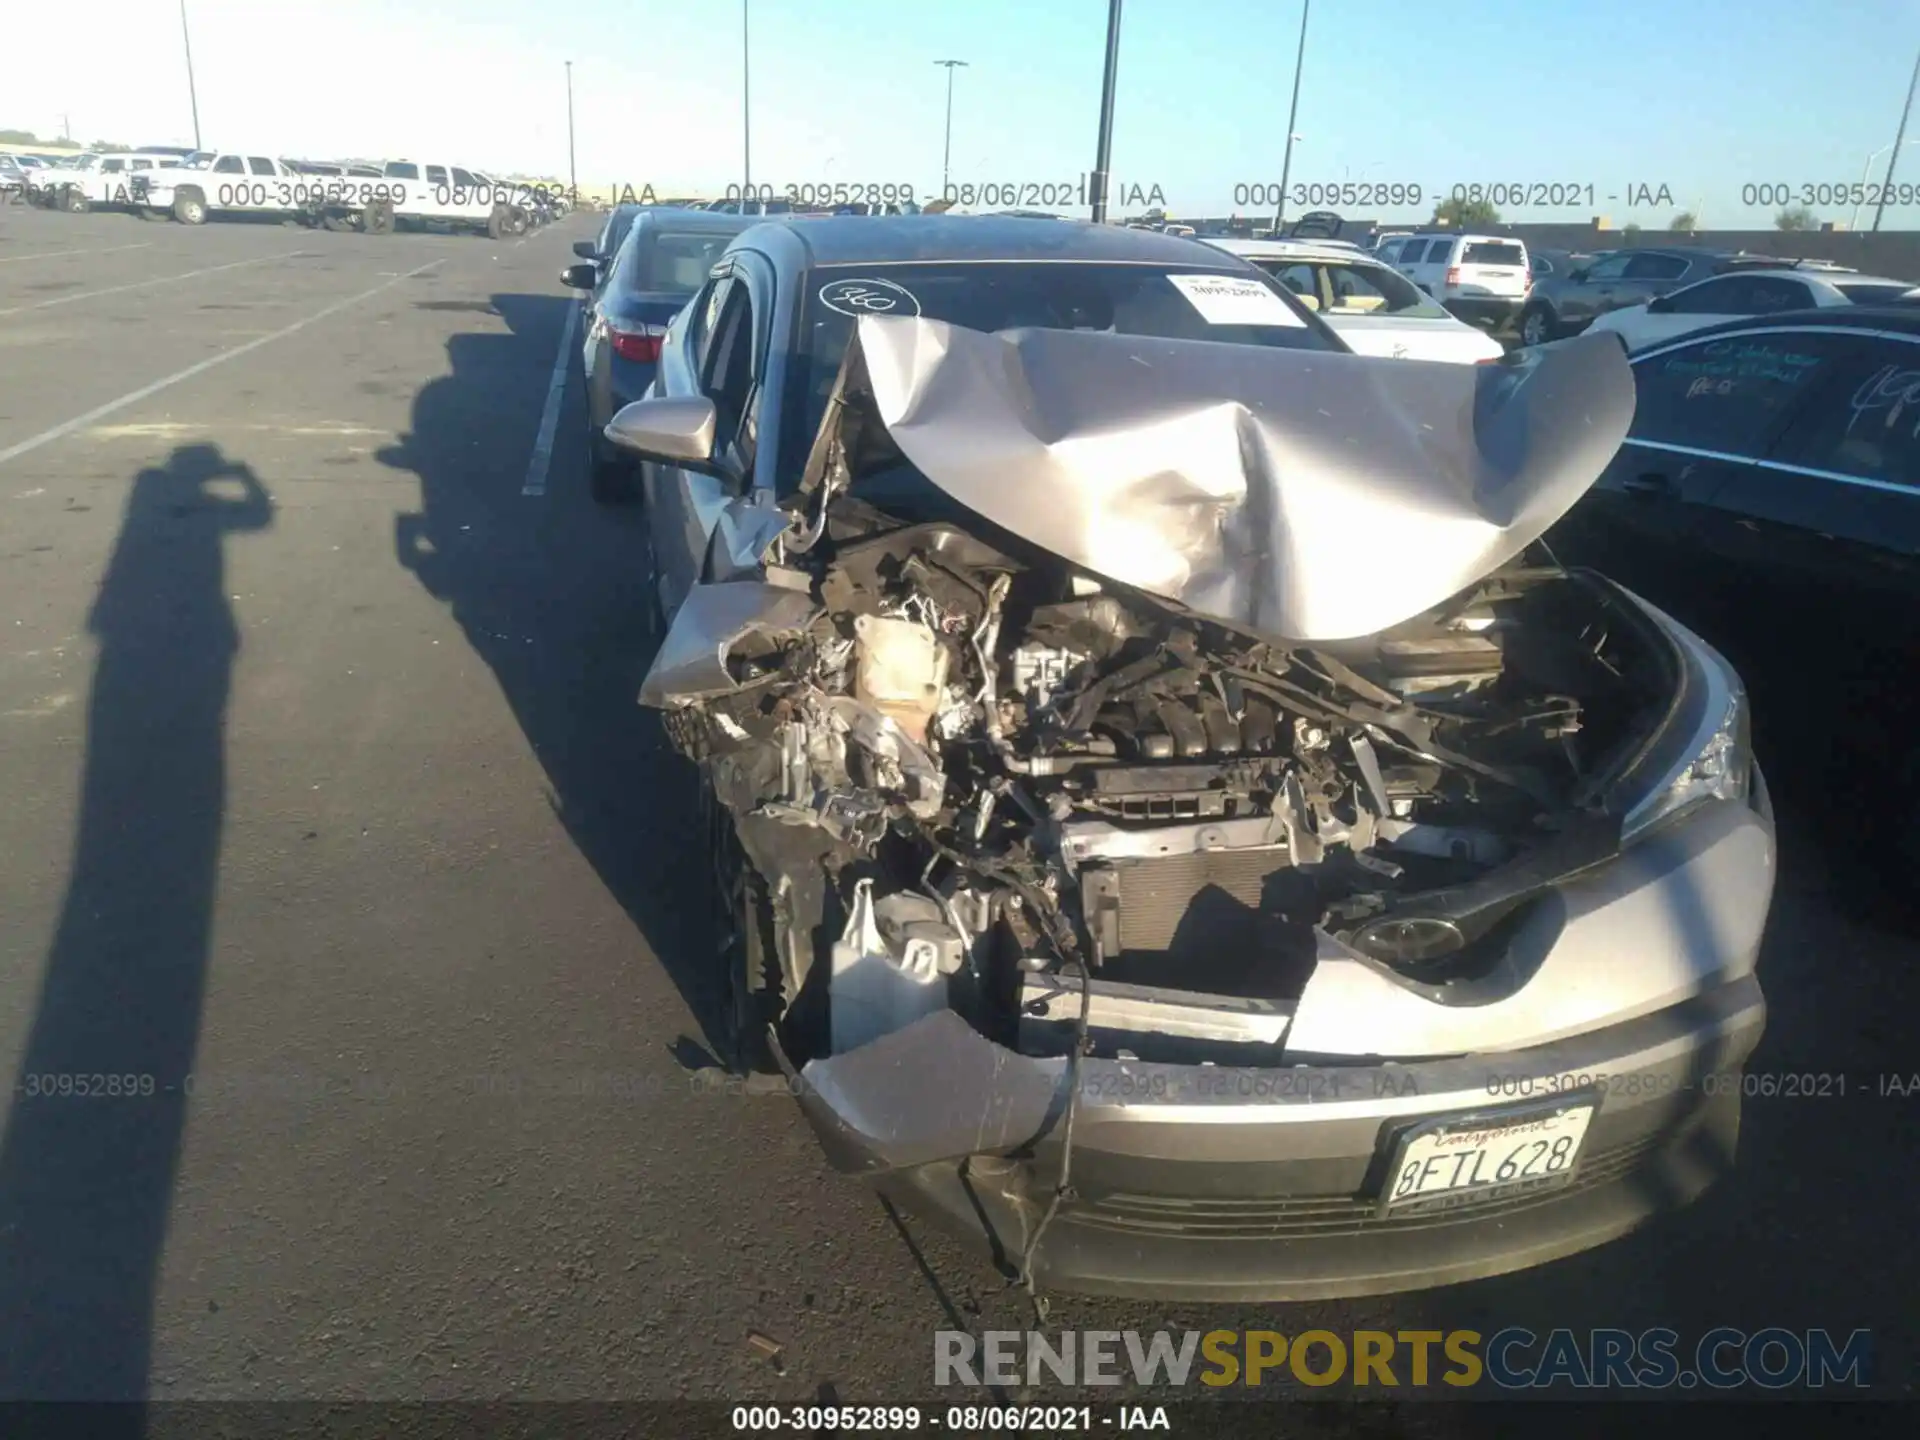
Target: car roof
<point>1466,235</point>
<point>1893,318</point>
<point>1292,250</point>
<point>854,239</point>
<point>1824,276</point>
<point>694,221</point>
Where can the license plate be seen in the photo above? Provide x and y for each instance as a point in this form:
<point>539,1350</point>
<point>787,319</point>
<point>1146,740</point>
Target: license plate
<point>1478,1154</point>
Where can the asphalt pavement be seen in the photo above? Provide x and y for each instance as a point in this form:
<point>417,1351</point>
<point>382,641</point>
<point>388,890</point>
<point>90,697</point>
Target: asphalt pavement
<point>353,977</point>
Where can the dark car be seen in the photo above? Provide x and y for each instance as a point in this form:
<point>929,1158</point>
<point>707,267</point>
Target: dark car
<point>994,552</point>
<point>1769,497</point>
<point>1561,305</point>
<point>659,258</point>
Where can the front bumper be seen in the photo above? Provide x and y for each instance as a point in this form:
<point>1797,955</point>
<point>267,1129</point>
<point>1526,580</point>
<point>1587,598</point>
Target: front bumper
<point>1226,1184</point>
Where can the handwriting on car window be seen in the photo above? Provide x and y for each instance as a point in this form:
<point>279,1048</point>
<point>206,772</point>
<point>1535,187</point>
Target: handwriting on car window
<point>1892,390</point>
<point>1722,365</point>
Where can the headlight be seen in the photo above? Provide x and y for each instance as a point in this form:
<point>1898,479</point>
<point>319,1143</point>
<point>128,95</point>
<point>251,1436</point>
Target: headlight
<point>1717,761</point>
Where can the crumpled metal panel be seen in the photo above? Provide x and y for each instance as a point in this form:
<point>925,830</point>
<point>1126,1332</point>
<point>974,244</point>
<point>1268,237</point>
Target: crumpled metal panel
<point>1298,494</point>
<point>692,661</point>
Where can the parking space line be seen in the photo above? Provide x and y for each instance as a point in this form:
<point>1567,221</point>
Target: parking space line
<point>162,280</point>
<point>100,412</point>
<point>65,254</point>
<point>550,417</point>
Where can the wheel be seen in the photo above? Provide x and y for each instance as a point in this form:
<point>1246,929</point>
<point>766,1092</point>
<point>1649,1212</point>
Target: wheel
<point>754,996</point>
<point>377,218</point>
<point>190,207</point>
<point>73,200</point>
<point>610,477</point>
<point>336,220</point>
<point>497,223</point>
<point>1536,325</point>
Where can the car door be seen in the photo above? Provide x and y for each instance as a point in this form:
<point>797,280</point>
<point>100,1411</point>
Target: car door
<point>1851,459</point>
<point>1707,412</point>
<point>1578,301</point>
<point>728,359</point>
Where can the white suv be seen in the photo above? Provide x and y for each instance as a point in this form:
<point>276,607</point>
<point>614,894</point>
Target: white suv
<point>1483,278</point>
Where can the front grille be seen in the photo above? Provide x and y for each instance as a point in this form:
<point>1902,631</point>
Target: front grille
<point>1305,1217</point>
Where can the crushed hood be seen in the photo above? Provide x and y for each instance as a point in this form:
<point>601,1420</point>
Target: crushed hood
<point>1299,494</point>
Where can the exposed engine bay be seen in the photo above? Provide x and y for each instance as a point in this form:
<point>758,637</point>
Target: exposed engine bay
<point>965,767</point>
<point>995,783</point>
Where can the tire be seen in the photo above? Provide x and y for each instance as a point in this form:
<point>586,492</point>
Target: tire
<point>754,996</point>
<point>610,477</point>
<point>189,207</point>
<point>336,220</point>
<point>73,200</point>
<point>497,223</point>
<point>377,218</point>
<point>1536,325</point>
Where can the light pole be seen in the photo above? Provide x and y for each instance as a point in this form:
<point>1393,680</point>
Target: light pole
<point>1293,114</point>
<point>1899,139</point>
<point>946,154</point>
<point>1866,170</point>
<point>192,98</point>
<point>1103,158</point>
<point>746,115</point>
<point>573,178</point>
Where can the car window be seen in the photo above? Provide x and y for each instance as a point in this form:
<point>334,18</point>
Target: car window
<point>1774,293</point>
<point>1655,267</point>
<point>1337,287</point>
<point>464,178</point>
<point>1726,296</point>
<point>260,165</point>
<point>398,170</point>
<point>1494,252</point>
<point>229,165</point>
<point>706,312</point>
<point>1611,268</point>
<point>1729,394</point>
<point>112,167</point>
<point>1866,424</point>
<point>1881,292</point>
<point>674,262</point>
<point>436,174</point>
<point>728,375</point>
<point>1391,250</point>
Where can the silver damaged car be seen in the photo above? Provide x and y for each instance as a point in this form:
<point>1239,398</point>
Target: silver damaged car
<point>1178,825</point>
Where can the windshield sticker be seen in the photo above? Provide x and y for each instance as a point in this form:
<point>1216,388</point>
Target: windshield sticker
<point>1889,389</point>
<point>868,297</point>
<point>1231,300</point>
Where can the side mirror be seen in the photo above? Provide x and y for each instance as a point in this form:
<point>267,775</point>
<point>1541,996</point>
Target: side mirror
<point>580,277</point>
<point>585,250</point>
<point>672,430</point>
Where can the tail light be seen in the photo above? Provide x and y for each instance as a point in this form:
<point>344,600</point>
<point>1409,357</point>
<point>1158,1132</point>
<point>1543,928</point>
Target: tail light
<point>1453,275</point>
<point>642,345</point>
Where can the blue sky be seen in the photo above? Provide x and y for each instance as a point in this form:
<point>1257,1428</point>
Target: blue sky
<point>1702,96</point>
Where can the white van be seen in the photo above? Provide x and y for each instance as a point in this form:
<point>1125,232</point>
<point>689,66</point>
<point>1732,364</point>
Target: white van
<point>1482,278</point>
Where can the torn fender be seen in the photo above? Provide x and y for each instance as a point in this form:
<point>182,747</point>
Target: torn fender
<point>692,661</point>
<point>1300,494</point>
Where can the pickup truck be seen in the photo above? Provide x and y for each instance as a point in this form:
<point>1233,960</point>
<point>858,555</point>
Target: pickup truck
<point>403,192</point>
<point>104,181</point>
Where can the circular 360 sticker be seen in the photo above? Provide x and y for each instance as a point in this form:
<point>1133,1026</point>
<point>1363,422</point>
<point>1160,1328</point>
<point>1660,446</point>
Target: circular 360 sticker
<point>868,297</point>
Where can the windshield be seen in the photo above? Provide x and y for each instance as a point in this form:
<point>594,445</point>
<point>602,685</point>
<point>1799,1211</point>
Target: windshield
<point>1343,287</point>
<point>1186,304</point>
